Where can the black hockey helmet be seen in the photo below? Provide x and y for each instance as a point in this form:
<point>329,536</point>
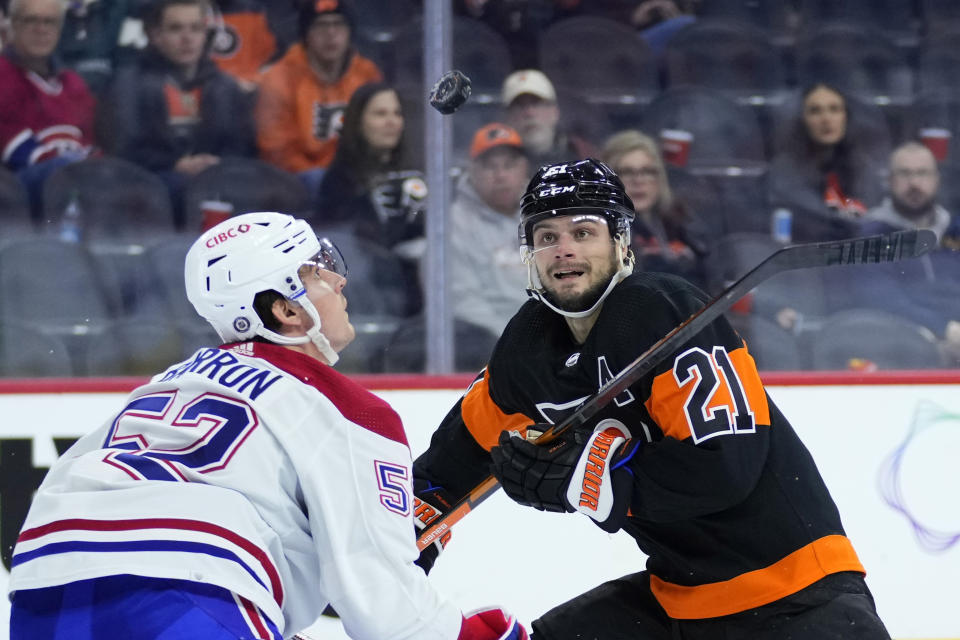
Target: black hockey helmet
<point>566,188</point>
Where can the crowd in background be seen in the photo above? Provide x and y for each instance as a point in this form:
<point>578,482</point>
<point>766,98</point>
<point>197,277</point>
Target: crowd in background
<point>128,126</point>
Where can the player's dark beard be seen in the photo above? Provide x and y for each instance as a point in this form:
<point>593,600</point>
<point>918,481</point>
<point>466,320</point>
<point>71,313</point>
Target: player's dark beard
<point>588,298</point>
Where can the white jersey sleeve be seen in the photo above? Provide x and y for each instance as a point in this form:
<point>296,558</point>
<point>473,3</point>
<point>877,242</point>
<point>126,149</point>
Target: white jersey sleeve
<point>257,469</point>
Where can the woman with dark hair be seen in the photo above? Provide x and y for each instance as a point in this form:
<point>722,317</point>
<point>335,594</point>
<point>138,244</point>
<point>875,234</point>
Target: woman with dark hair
<point>371,186</point>
<point>372,189</point>
<point>666,235</point>
<point>822,172</point>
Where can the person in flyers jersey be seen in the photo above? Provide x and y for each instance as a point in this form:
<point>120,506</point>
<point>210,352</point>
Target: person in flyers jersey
<point>694,460</point>
<point>241,491</point>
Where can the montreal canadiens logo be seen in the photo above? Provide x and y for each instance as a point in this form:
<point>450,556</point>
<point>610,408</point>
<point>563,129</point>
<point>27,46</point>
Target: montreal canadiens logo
<point>241,324</point>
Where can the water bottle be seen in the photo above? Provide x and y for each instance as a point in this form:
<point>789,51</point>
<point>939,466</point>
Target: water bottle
<point>782,221</point>
<point>72,219</point>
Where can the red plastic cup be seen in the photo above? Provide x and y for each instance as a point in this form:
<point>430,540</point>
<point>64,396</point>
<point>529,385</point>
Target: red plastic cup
<point>675,145</point>
<point>214,212</point>
<point>938,141</point>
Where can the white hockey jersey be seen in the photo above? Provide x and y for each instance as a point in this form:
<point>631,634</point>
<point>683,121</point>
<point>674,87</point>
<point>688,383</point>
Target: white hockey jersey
<point>255,468</point>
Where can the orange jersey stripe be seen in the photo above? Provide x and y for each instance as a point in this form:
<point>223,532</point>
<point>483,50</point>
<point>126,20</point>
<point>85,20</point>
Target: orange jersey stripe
<point>484,419</point>
<point>668,399</point>
<point>803,567</point>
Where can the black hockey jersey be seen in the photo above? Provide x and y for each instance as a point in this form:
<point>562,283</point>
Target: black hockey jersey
<point>727,502</point>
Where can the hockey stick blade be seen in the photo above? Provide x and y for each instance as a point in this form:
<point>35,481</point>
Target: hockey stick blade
<point>891,247</point>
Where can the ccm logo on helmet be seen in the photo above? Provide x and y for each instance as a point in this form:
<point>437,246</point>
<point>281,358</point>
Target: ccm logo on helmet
<point>555,191</point>
<point>223,236</point>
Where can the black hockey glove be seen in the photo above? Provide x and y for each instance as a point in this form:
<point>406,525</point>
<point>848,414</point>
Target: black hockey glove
<point>535,475</point>
<point>585,472</point>
<point>429,503</point>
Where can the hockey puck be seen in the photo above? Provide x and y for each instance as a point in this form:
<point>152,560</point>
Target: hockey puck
<point>450,92</point>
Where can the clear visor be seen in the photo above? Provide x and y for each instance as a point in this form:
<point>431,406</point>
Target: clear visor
<point>328,258</point>
<point>535,236</point>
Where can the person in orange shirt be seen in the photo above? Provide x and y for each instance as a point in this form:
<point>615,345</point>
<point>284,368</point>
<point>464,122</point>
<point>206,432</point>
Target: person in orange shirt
<point>302,97</point>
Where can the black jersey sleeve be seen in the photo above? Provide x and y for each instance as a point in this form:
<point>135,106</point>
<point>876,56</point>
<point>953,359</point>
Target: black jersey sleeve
<point>708,413</point>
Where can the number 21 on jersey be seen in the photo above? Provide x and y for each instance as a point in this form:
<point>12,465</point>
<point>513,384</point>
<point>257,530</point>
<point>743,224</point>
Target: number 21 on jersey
<point>715,393</point>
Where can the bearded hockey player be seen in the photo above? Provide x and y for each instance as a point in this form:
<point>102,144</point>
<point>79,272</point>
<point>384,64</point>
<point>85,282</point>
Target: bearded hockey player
<point>241,491</point>
<point>694,461</point>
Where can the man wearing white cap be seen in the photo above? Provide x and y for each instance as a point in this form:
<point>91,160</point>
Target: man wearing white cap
<point>531,103</point>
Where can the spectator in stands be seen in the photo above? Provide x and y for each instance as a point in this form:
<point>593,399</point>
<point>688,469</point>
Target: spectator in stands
<point>666,235</point>
<point>302,97</point>
<point>821,172</point>
<point>173,111</point>
<point>531,103</point>
<point>243,40</point>
<point>925,290</point>
<point>372,186</point>
<point>90,38</point>
<point>46,111</point>
<point>914,182</point>
<point>487,277</point>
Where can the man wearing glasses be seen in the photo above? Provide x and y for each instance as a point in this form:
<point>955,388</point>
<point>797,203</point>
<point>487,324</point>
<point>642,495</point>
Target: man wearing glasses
<point>46,111</point>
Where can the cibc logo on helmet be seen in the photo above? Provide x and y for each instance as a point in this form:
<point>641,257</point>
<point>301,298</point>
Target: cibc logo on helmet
<point>223,236</point>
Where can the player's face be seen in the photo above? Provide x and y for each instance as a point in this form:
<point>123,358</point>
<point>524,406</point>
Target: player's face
<point>382,121</point>
<point>575,258</point>
<point>36,28</point>
<point>325,291</point>
<point>825,116</point>
<point>181,34</point>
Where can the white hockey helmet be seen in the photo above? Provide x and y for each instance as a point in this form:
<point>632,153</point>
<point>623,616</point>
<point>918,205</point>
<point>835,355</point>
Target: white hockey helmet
<point>232,262</point>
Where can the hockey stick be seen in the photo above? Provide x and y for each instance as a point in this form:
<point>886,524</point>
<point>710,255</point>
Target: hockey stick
<point>872,249</point>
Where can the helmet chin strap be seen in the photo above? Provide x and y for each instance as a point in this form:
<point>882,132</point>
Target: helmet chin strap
<point>313,334</point>
<point>623,272</point>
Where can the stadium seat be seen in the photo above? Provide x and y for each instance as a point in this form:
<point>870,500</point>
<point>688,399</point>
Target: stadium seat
<point>601,60</point>
<point>856,60</point>
<point>14,206</point>
<point>939,59</point>
<point>246,184</point>
<point>772,347</point>
<point>737,59</point>
<point>120,201</point>
<point>165,260</point>
<point>479,51</point>
<point>735,254</point>
<point>406,351</point>
<point>897,19</point>
<point>56,288</point>
<point>867,338</point>
<point>725,134</point>
<point>28,353</point>
<point>774,17</point>
<point>938,16</point>
<point>378,281</point>
<point>133,347</point>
